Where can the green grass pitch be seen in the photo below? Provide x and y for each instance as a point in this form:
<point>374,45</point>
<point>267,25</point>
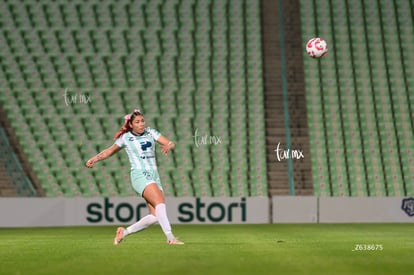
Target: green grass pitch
<point>212,249</point>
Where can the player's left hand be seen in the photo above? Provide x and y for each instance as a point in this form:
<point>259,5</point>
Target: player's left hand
<point>167,148</point>
<point>89,163</point>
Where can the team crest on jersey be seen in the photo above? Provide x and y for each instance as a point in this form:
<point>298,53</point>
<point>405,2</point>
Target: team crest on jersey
<point>147,175</point>
<point>408,206</point>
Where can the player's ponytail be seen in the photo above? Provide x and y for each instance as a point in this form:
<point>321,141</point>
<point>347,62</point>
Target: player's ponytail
<point>127,124</point>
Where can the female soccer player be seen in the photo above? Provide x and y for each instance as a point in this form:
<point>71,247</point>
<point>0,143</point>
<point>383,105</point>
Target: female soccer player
<point>139,143</point>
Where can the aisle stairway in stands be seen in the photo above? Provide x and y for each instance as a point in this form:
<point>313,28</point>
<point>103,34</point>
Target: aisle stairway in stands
<point>278,173</point>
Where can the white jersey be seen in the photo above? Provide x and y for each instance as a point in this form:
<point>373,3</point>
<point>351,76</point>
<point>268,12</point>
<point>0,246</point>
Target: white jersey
<point>140,148</point>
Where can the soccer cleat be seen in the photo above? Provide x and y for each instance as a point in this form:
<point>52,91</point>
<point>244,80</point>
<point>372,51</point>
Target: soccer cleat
<point>119,236</point>
<point>175,241</point>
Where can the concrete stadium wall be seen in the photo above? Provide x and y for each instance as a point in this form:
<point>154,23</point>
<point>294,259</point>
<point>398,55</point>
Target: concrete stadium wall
<point>48,212</point>
<point>342,210</point>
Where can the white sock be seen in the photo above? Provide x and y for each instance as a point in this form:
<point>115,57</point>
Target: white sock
<point>143,223</point>
<point>161,213</point>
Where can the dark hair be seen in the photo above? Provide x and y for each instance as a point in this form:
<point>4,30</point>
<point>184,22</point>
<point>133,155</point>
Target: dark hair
<point>126,127</point>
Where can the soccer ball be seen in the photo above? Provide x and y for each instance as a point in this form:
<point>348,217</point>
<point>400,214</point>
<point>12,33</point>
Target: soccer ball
<point>316,47</point>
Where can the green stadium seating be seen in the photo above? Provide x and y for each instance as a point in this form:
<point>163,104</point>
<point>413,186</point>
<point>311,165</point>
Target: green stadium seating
<point>71,69</point>
<point>358,97</point>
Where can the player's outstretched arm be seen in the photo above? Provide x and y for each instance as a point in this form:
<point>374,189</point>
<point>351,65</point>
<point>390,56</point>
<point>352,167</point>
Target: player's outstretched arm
<point>103,155</point>
<point>166,145</point>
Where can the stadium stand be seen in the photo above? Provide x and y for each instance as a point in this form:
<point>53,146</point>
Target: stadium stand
<point>201,73</point>
<point>71,70</point>
<point>13,180</point>
<point>360,98</point>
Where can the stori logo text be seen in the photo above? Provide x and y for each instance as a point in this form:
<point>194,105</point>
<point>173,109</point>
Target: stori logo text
<point>188,212</point>
<point>215,211</point>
